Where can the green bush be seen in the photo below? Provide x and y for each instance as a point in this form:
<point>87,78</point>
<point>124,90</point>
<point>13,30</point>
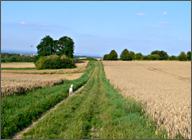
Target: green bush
<point>173,57</point>
<point>153,57</point>
<point>3,60</point>
<point>40,61</point>
<point>145,57</point>
<point>106,57</point>
<point>54,62</point>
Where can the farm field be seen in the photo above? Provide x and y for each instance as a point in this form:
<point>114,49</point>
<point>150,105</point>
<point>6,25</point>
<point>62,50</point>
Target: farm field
<point>18,81</point>
<point>18,65</point>
<point>164,87</point>
<point>79,69</point>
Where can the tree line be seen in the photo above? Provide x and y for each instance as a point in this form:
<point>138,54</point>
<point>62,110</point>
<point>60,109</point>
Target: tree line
<point>8,57</point>
<point>127,55</point>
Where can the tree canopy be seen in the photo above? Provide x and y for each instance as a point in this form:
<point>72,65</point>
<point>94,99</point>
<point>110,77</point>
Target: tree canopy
<point>132,55</point>
<point>138,56</point>
<point>106,57</point>
<point>125,55</point>
<point>163,55</point>
<point>182,56</point>
<point>189,55</point>
<point>48,46</point>
<point>113,55</point>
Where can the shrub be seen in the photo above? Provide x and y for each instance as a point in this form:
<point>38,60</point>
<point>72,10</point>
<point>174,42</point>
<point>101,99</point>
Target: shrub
<point>153,57</point>
<point>145,57</point>
<point>3,60</point>
<point>173,57</point>
<point>54,62</point>
<point>40,61</point>
<point>106,57</point>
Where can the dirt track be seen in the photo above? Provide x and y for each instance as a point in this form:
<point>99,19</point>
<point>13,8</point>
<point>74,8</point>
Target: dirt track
<point>163,86</point>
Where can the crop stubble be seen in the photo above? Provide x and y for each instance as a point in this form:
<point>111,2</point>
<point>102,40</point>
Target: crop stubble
<point>163,86</point>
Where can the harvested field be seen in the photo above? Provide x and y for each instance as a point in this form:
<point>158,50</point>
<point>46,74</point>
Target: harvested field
<point>18,81</point>
<point>18,65</point>
<point>79,69</point>
<point>164,87</point>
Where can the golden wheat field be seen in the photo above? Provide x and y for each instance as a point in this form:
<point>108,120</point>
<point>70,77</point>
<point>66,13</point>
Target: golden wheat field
<point>18,81</point>
<point>164,87</point>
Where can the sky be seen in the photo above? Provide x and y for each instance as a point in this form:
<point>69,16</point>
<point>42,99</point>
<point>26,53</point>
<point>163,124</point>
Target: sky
<point>97,27</point>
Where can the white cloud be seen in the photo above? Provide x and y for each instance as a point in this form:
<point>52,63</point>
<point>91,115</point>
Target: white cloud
<point>32,24</point>
<point>141,14</point>
<point>164,13</point>
<point>164,22</point>
<point>180,39</point>
<point>23,23</point>
<point>157,26</point>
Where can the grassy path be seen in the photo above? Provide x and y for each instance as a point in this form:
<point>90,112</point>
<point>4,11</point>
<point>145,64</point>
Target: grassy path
<point>97,111</point>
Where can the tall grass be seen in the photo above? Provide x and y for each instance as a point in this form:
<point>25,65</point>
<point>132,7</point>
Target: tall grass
<point>18,112</point>
<point>97,111</point>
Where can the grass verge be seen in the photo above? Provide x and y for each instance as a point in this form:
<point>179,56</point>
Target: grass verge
<point>18,69</point>
<point>18,112</point>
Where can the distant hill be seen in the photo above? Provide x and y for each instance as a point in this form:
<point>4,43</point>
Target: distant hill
<point>24,52</point>
<point>31,52</point>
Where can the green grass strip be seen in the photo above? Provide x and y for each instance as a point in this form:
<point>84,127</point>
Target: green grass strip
<point>97,111</point>
<point>18,112</point>
<point>18,69</point>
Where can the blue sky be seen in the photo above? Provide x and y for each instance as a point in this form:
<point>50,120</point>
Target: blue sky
<point>97,27</point>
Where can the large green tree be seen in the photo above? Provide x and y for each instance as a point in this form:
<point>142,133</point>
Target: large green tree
<point>46,46</point>
<point>125,55</point>
<point>65,45</point>
<point>182,56</point>
<point>189,55</point>
<point>163,55</point>
<point>113,55</point>
<point>132,55</point>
